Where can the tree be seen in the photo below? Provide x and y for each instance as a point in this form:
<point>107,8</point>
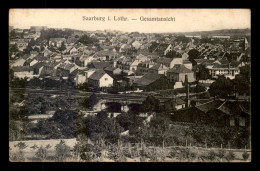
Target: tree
<point>222,87</point>
<point>160,129</point>
<point>241,84</point>
<point>193,54</point>
<point>150,104</point>
<point>93,100</point>
<point>62,47</point>
<point>86,40</point>
<point>62,151</point>
<point>173,54</point>
<point>100,128</point>
<point>203,73</point>
<point>41,153</point>
<point>13,48</point>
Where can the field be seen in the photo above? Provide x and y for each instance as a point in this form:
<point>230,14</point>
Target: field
<point>134,153</point>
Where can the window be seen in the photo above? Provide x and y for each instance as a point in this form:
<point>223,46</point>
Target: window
<point>106,79</point>
<point>232,122</point>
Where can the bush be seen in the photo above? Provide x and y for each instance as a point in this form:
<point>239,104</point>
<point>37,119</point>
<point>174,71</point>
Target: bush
<point>62,151</point>
<point>245,155</point>
<point>230,156</point>
<point>19,156</point>
<point>41,153</point>
<point>221,154</point>
<point>153,155</point>
<point>211,156</point>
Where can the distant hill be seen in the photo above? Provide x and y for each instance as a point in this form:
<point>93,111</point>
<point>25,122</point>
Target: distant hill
<point>229,32</point>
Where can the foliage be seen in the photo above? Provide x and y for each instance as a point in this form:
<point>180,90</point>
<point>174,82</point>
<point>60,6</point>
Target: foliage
<point>221,154</point>
<point>62,47</point>
<point>18,156</point>
<point>150,104</point>
<point>114,153</point>
<point>211,155</point>
<point>193,54</point>
<point>222,87</point>
<point>100,127</point>
<point>203,73</point>
<point>86,40</point>
<point>129,121</point>
<point>13,49</point>
<point>245,156</point>
<point>62,151</point>
<point>93,100</point>
<point>230,156</point>
<point>173,54</point>
<point>41,153</point>
<point>53,33</point>
<point>84,86</point>
<point>18,83</point>
<point>16,131</point>
<point>63,124</point>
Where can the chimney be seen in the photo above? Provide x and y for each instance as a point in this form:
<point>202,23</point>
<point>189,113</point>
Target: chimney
<point>188,91</point>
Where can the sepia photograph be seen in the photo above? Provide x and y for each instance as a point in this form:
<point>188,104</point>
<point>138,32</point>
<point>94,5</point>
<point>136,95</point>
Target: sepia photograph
<point>129,85</point>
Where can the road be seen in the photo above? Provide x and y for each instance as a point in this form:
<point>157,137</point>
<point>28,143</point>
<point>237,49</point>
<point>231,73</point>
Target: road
<point>138,97</point>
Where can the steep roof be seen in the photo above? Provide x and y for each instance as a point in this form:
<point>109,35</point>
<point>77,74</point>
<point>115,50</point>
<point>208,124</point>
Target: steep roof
<point>22,69</point>
<point>99,65</point>
<point>148,79</point>
<point>178,68</point>
<point>233,108</point>
<point>38,65</point>
<point>164,60</point>
<point>177,101</point>
<point>97,75</point>
<point>158,66</point>
<point>209,105</point>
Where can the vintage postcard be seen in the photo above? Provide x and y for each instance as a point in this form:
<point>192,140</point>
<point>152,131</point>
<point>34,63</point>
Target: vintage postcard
<point>129,85</point>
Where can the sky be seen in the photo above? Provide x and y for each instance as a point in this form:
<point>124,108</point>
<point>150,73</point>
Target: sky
<point>186,20</point>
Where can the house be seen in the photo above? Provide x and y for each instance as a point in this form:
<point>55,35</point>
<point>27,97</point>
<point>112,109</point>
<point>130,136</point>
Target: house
<point>169,62</point>
<point>187,64</point>
<point>105,55</point>
<point>31,62</point>
<point>68,67</point>
<point>127,64</point>
<point>158,69</point>
<point>86,59</point>
<point>34,53</point>
<point>73,50</point>
<point>151,82</point>
<point>38,67</point>
<point>161,48</point>
<point>108,48</point>
<point>23,71</point>
<point>81,77</point>
<point>178,72</point>
<point>136,44</point>
<point>176,103</point>
<point>125,48</point>
<point>98,65</point>
<point>227,70</point>
<point>56,41</point>
<point>22,44</point>
<point>18,62</point>
<point>143,67</point>
<point>217,112</point>
<point>112,71</point>
<point>46,52</point>
<point>185,56</point>
<point>100,79</point>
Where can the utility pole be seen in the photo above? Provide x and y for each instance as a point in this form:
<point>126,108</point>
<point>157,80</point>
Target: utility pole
<point>187,92</point>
